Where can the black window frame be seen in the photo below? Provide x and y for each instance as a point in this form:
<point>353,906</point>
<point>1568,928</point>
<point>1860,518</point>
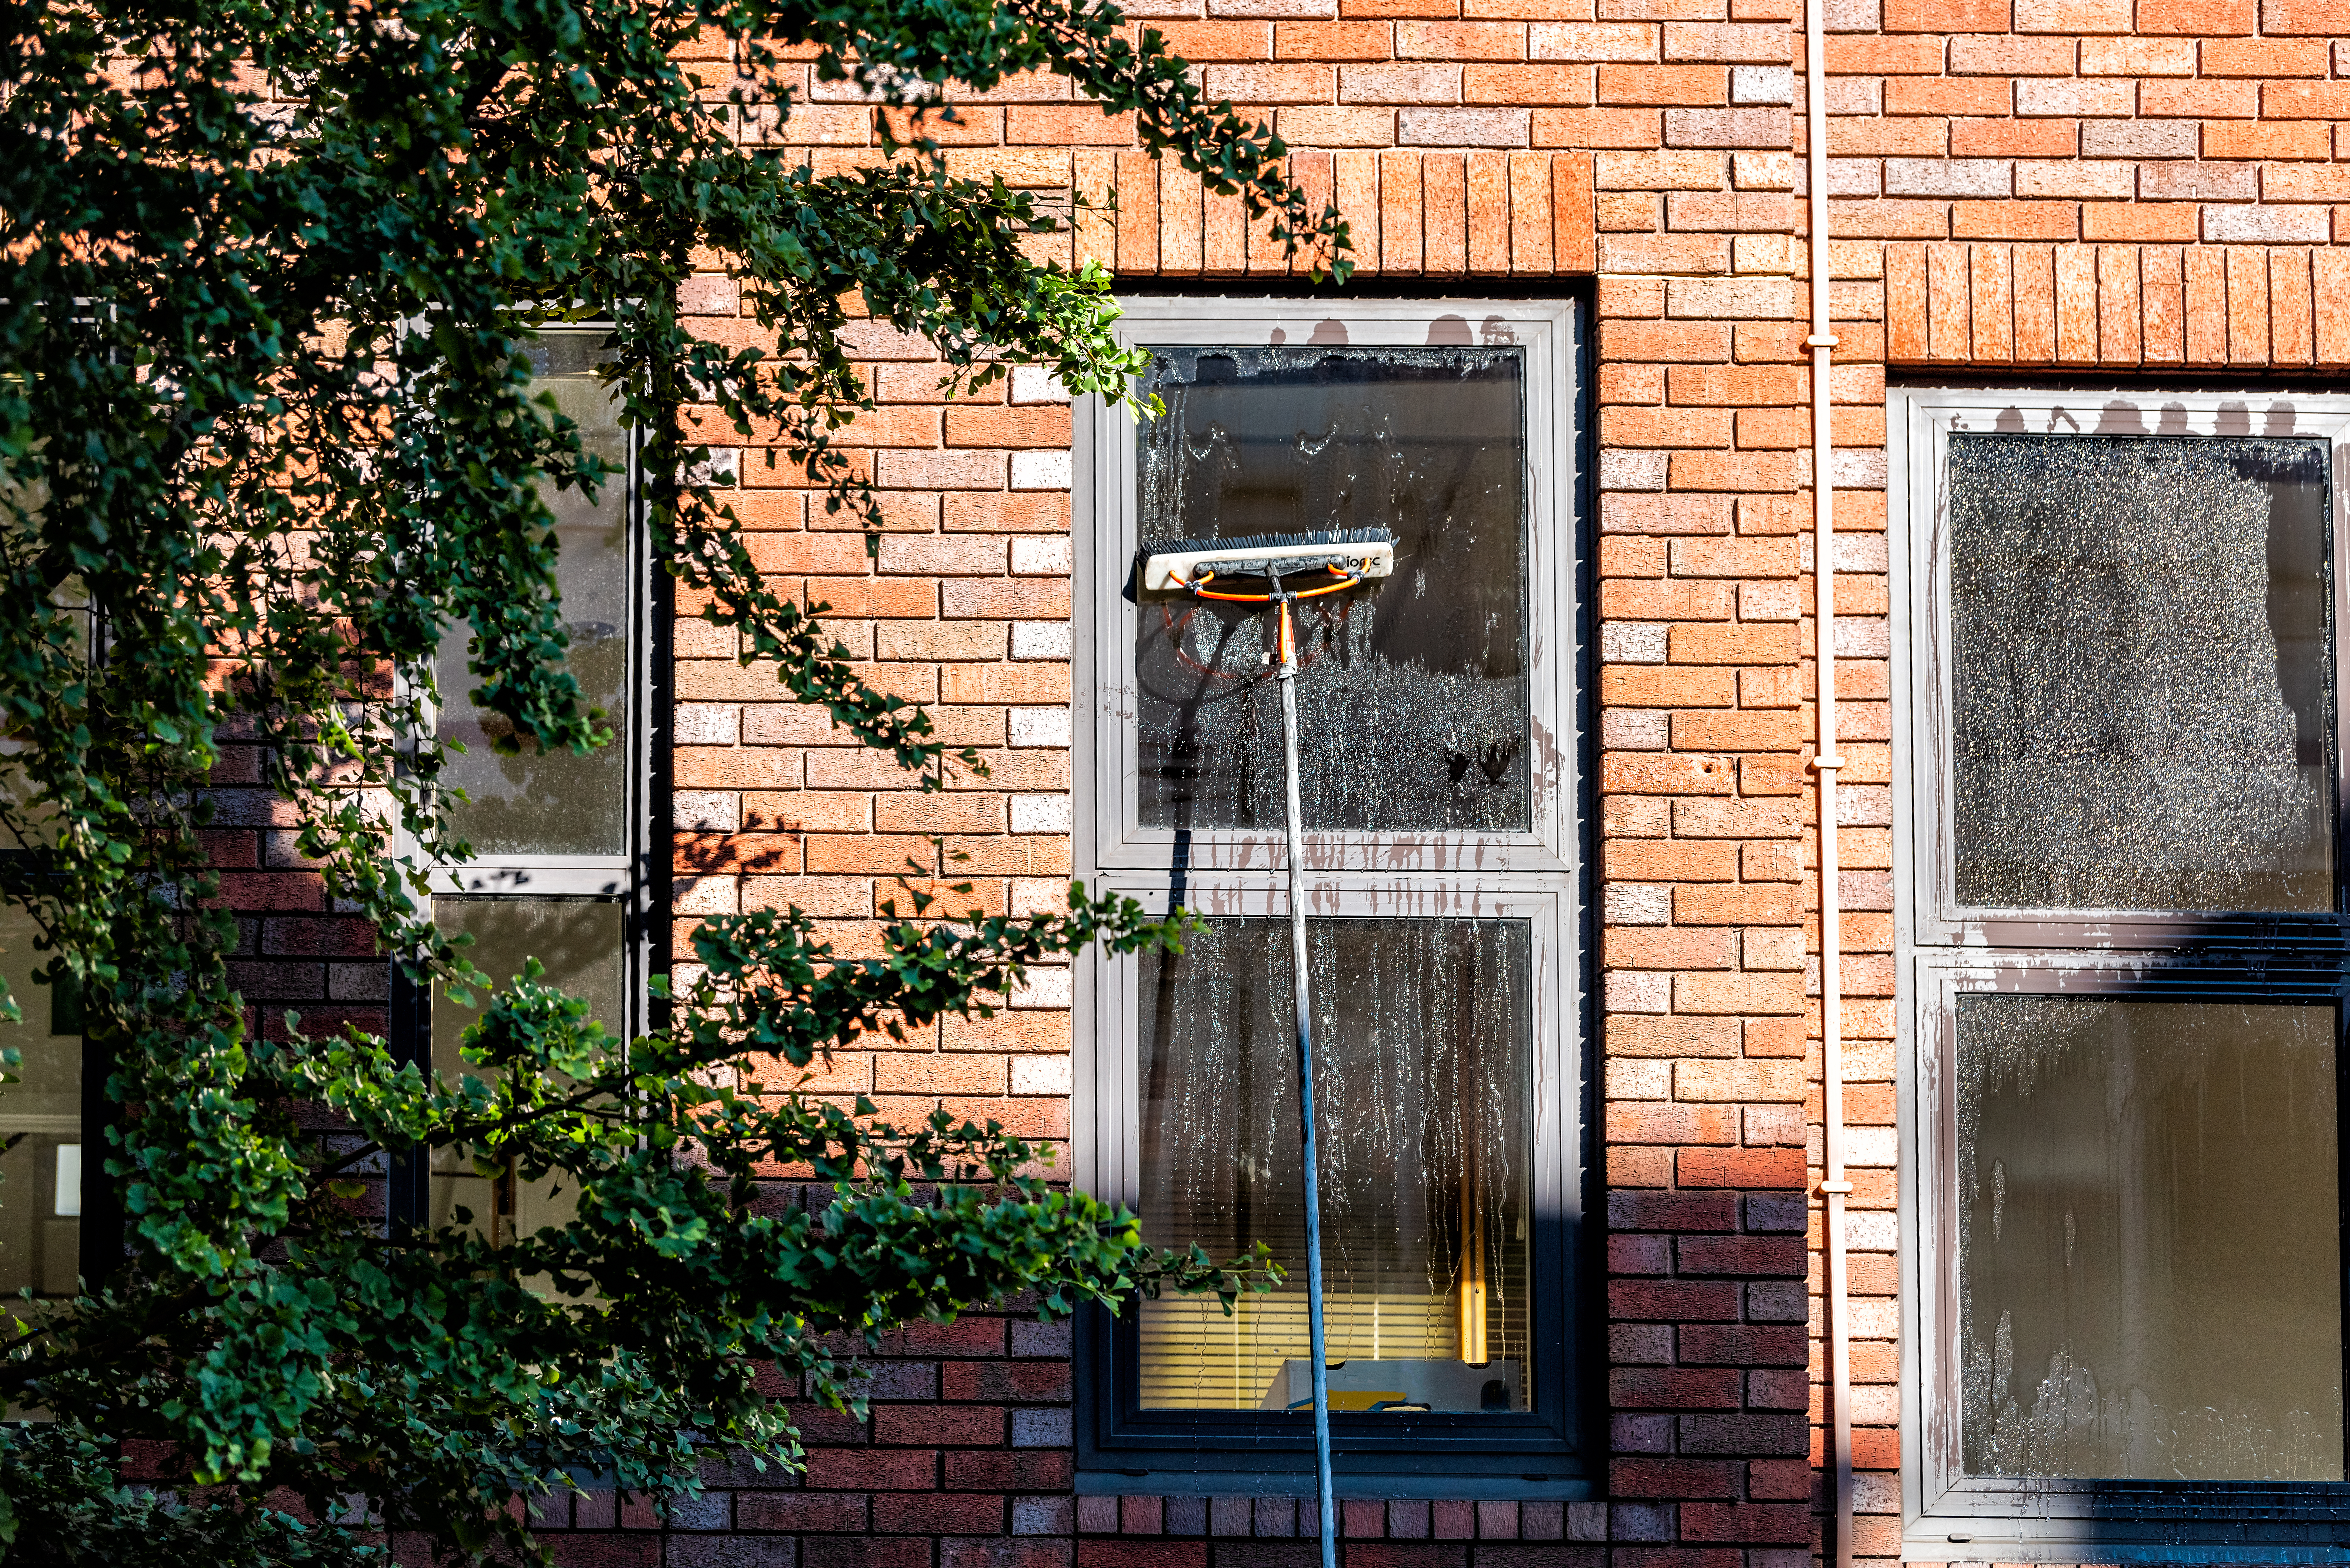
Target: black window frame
<point>1540,875</point>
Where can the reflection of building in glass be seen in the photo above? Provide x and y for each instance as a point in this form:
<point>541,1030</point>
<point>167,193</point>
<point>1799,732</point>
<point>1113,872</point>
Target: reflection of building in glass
<point>41,1175</point>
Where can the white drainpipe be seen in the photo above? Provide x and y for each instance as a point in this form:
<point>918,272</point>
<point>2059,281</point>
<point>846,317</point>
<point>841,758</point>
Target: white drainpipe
<point>1834,1188</point>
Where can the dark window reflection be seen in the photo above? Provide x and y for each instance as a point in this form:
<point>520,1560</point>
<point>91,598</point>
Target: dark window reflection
<point>41,1177</point>
<point>2149,1240</point>
<point>579,943</point>
<point>1413,699</point>
<point>2142,708</point>
<point>1423,1040</point>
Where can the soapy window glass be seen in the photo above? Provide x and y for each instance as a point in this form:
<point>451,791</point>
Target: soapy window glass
<point>558,802</point>
<point>2142,702</point>
<point>1413,697</point>
<point>2150,1270</point>
<point>1423,1040</point>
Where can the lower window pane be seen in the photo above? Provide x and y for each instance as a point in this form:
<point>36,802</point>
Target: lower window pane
<point>41,1177</point>
<point>2149,1252</point>
<point>578,941</point>
<point>1423,1041</point>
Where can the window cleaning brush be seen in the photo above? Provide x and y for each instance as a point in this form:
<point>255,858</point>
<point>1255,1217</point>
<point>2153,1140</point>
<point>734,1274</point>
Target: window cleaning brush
<point>1261,570</point>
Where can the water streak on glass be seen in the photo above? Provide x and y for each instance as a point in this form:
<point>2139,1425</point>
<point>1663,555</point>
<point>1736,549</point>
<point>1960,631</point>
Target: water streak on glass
<point>2150,1278</point>
<point>1413,701</point>
<point>1423,1050</point>
<point>2141,699</point>
<point>41,1176</point>
<point>578,941</point>
<point>559,803</point>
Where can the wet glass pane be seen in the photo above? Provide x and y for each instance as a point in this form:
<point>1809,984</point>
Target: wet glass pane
<point>1424,1039</point>
<point>1413,695</point>
<point>2150,1248</point>
<point>580,942</point>
<point>2142,704</point>
<point>559,803</point>
<point>40,1178</point>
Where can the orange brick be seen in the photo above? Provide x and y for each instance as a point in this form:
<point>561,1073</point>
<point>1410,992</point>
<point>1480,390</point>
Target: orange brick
<point>2248,305</point>
<point>1326,40</point>
<point>1994,54</point>
<point>2014,138</point>
<point>1663,84</point>
<point>1203,42</point>
<point>1666,686</point>
<point>2196,18</point>
<point>1459,41</point>
<point>1861,54</point>
<point>2225,139</point>
<point>1945,15</point>
<point>2015,220</point>
<point>2305,182</point>
<point>2162,289</point>
<point>1762,643</point>
<point>2289,323</point>
<point>1400,212</point>
<point>2264,57</point>
<point>1525,84</point>
<point>1666,773</point>
<point>1444,181</point>
<point>2206,306</point>
<point>2066,16</point>
<point>2137,57</point>
<point>1944,95</point>
<point>2307,100</point>
<point>2175,221</point>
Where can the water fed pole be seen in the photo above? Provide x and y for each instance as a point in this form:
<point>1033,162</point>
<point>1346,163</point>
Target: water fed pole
<point>1225,569</point>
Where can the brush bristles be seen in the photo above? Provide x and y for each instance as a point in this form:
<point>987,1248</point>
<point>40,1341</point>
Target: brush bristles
<point>1269,541</point>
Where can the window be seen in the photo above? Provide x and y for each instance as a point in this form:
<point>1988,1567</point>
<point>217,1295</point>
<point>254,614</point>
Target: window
<point>2123,930</point>
<point>41,1170</point>
<point>562,853</point>
<point>1438,775</point>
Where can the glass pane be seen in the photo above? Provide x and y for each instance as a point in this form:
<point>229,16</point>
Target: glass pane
<point>1413,696</point>
<point>2150,1258</point>
<point>1423,1036</point>
<point>558,804</point>
<point>40,1178</point>
<point>580,942</point>
<point>2142,698</point>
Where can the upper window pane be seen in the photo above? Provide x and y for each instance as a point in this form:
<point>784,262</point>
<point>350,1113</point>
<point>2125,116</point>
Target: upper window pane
<point>558,802</point>
<point>2150,1241</point>
<point>2141,691</point>
<point>1413,697</point>
<point>1424,1039</point>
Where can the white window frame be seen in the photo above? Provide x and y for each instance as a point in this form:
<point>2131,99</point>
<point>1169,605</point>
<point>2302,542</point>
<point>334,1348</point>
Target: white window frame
<point>634,878</point>
<point>1534,875</point>
<point>1948,950</point>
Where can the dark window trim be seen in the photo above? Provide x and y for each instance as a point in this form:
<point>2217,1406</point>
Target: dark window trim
<point>1559,1453</point>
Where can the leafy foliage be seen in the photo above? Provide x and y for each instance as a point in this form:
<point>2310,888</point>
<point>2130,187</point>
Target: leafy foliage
<point>266,432</point>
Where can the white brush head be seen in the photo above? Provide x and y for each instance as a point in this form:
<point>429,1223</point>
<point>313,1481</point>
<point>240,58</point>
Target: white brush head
<point>1175,568</point>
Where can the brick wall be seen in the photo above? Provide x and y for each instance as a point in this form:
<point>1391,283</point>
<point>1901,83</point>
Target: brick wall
<point>2025,185</point>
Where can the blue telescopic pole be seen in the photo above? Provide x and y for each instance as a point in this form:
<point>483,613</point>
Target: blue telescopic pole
<point>1305,1005</point>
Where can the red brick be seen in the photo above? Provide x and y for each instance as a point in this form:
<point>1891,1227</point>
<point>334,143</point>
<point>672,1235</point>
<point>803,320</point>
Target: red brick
<point>1658,1388</point>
